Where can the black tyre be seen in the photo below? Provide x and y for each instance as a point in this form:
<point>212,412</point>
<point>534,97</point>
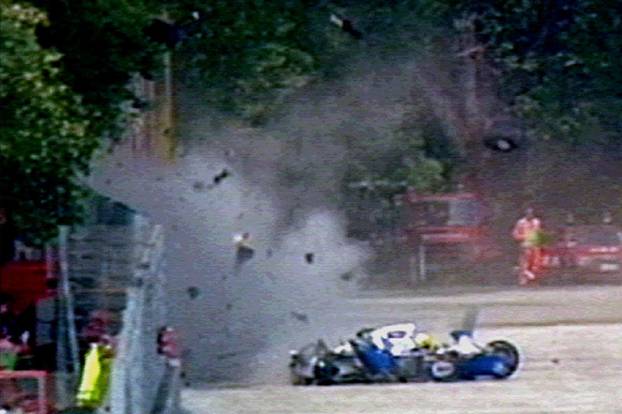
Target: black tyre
<point>325,373</point>
<point>508,351</point>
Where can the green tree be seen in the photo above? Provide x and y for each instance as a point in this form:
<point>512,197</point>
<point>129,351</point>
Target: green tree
<point>559,62</point>
<point>103,44</point>
<point>252,54</point>
<point>44,138</point>
<point>248,53</point>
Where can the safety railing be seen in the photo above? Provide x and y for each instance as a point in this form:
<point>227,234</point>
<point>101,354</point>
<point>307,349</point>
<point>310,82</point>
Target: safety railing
<point>142,381</point>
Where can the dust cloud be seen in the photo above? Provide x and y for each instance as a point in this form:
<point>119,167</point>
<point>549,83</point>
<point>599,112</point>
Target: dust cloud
<point>281,185</point>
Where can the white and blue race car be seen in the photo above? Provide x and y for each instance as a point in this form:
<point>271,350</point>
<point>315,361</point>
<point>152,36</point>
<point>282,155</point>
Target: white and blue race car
<point>400,353</point>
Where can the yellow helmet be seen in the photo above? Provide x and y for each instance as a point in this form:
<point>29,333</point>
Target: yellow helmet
<point>424,340</point>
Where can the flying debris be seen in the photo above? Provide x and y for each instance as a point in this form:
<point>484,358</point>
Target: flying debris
<point>501,144</point>
<point>607,217</point>
<point>229,154</point>
<point>184,377</point>
<point>309,257</point>
<point>193,292</point>
<point>302,317</point>
<point>221,176</point>
<point>347,276</point>
<point>172,33</point>
<point>345,25</point>
<point>198,186</point>
<point>226,355</point>
<point>244,251</point>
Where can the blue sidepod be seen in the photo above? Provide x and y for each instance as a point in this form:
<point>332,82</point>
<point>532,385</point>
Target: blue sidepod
<point>377,361</point>
<point>484,365</point>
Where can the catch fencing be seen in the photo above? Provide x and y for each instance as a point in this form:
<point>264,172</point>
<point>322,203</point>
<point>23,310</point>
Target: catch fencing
<point>144,381</point>
<point>116,264</point>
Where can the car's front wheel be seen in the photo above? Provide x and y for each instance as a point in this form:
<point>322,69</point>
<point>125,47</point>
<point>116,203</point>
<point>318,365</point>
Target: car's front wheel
<point>325,373</point>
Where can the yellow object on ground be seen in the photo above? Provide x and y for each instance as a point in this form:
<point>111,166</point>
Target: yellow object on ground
<point>95,377</point>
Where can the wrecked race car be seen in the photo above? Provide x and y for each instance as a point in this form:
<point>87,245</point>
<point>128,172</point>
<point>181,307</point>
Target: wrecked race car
<point>397,353</point>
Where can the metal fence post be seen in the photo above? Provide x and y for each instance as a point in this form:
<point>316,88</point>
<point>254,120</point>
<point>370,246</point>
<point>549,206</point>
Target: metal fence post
<point>66,329</point>
<point>139,372</point>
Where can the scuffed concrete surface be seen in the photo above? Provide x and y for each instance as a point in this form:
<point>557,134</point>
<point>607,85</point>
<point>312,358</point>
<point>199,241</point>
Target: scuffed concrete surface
<point>571,340</point>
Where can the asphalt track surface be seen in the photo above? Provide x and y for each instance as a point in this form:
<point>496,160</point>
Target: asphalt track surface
<point>570,337</point>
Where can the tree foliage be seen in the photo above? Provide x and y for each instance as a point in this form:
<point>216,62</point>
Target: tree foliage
<point>559,61</point>
<point>248,53</point>
<point>44,139</point>
<point>102,45</point>
<point>65,76</point>
<point>251,54</point>
<point>65,71</point>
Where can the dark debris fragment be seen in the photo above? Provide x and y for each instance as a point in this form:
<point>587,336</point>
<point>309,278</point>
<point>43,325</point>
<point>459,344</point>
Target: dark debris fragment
<point>347,276</point>
<point>346,25</point>
<point>193,292</point>
<point>226,355</point>
<point>309,257</point>
<point>198,186</point>
<point>302,317</point>
<point>221,176</point>
<point>500,144</point>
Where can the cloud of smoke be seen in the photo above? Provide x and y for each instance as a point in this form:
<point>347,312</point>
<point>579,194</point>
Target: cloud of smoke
<point>283,189</point>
